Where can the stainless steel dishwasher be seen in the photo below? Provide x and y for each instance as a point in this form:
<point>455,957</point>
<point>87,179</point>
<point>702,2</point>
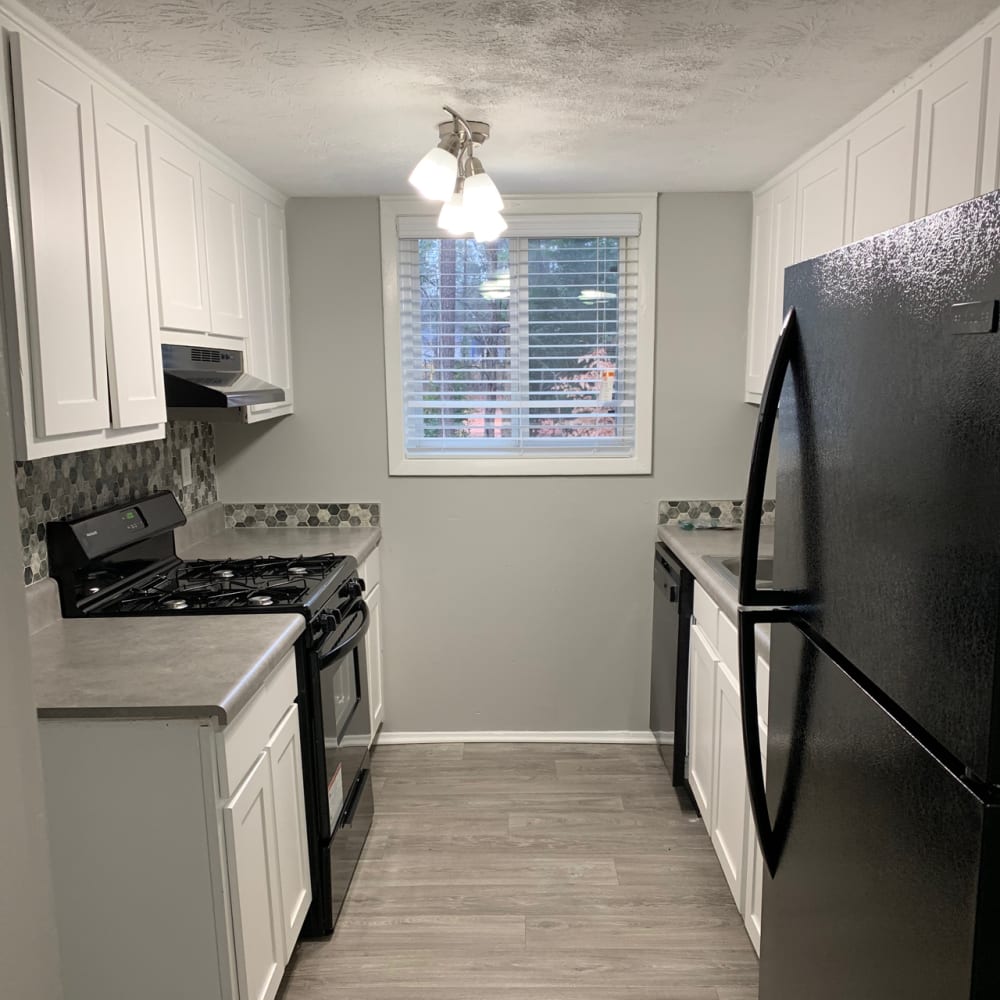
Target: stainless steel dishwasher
<point>673,598</point>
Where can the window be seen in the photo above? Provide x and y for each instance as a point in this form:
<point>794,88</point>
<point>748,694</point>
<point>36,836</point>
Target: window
<point>529,355</point>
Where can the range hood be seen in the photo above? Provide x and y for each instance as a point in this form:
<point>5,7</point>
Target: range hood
<point>207,377</point>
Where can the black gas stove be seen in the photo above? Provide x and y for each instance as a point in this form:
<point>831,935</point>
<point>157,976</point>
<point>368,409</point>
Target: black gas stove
<point>122,561</point>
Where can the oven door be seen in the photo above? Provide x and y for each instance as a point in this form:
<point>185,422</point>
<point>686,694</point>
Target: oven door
<point>343,709</point>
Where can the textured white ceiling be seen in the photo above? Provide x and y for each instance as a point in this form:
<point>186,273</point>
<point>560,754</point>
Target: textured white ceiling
<point>341,96</point>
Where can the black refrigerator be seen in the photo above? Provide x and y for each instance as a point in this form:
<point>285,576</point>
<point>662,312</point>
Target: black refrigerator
<point>879,819</point>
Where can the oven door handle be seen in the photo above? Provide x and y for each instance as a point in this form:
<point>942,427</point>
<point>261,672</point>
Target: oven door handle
<point>343,646</point>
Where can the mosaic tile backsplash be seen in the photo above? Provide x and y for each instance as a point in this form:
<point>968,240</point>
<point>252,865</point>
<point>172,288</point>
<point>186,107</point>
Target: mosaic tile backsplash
<point>724,512</point>
<point>51,488</point>
<point>302,514</point>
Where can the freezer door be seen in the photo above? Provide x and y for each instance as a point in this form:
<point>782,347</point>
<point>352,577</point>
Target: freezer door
<point>878,848</point>
<point>888,478</point>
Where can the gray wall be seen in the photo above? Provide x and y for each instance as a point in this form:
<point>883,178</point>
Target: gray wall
<point>510,603</point>
<point>29,962</point>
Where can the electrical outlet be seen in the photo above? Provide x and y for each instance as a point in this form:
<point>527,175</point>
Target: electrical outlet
<point>186,476</point>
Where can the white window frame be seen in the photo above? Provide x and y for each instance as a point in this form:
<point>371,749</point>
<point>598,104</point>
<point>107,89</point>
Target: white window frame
<point>637,464</point>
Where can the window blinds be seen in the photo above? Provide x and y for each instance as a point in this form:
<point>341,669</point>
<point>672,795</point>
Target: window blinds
<point>524,347</point>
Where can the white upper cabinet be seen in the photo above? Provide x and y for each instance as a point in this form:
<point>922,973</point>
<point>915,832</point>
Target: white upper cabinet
<point>254,222</point>
<point>280,345</point>
<point>179,228</point>
<point>227,281</point>
<point>819,226</point>
<point>760,292</point>
<point>773,251</point>
<point>882,169</point>
<point>134,360</point>
<point>61,235</point>
<point>951,123</point>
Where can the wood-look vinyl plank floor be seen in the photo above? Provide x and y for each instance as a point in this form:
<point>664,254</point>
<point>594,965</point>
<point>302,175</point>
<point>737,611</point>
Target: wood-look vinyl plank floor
<point>530,872</point>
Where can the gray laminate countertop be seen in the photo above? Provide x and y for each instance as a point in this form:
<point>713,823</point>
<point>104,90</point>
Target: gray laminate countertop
<point>691,547</point>
<point>185,667</point>
<point>243,543</point>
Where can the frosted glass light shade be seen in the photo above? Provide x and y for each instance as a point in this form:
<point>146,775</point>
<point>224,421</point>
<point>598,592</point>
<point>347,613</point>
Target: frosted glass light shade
<point>434,176</point>
<point>487,226</point>
<point>481,194</point>
<point>454,217</point>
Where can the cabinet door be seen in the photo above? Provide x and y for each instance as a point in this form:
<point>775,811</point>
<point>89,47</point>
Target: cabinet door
<point>822,199</point>
<point>729,787</point>
<point>951,120</point>
<point>754,876</point>
<point>136,367</point>
<point>258,360</point>
<point>279,347</point>
<point>758,355</point>
<point>227,283</point>
<point>254,887</point>
<point>284,755</point>
<point>701,722</point>
<point>373,654</point>
<point>882,169</point>
<point>179,233</point>
<point>61,232</point>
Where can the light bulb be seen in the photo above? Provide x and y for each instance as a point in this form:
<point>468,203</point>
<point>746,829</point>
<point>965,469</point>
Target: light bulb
<point>481,193</point>
<point>487,226</point>
<point>454,217</point>
<point>434,175</point>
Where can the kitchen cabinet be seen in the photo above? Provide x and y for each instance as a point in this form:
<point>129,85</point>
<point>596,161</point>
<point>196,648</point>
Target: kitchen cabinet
<point>716,766</point>
<point>179,831</point>
<point>701,721</point>
<point>758,343</point>
<point>57,168</point>
<point>179,230</point>
<point>819,222</point>
<point>951,122</point>
<point>269,344</point>
<point>729,785</point>
<point>84,371</point>
<point>753,891</point>
<point>774,250</point>
<point>881,174</point>
<point>134,360</point>
<point>371,572</point>
<point>224,256</point>
<point>252,856</point>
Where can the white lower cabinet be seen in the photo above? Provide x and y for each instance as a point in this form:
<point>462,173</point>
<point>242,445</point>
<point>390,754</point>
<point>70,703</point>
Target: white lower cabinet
<point>729,788</point>
<point>753,889</point>
<point>701,720</point>
<point>147,904</point>
<point>254,884</point>
<point>371,572</point>
<point>716,767</point>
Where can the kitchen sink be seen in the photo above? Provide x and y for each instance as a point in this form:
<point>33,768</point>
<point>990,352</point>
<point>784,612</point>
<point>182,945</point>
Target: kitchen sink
<point>729,568</point>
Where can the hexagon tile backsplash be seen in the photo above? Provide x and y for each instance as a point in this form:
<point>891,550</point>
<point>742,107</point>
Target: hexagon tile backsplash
<point>723,512</point>
<point>51,488</point>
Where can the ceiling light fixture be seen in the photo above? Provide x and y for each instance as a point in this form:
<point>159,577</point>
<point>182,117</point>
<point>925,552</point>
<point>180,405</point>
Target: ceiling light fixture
<point>452,174</point>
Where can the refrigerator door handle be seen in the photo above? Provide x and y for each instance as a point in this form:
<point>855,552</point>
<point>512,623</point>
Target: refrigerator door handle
<point>770,849</point>
<point>749,594</point>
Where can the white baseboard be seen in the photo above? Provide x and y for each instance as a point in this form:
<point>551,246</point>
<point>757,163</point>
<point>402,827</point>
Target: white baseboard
<point>525,736</point>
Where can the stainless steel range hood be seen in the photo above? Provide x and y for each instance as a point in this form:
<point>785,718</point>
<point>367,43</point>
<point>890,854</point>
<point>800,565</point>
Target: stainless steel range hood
<point>207,377</point>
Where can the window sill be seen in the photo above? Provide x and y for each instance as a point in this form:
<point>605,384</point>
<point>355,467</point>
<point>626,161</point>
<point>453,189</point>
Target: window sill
<point>541,466</point>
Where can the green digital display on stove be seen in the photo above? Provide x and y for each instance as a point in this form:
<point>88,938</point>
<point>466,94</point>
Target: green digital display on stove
<point>132,519</point>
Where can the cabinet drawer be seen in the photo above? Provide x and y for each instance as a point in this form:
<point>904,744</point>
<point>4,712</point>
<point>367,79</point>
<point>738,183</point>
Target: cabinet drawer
<point>244,739</point>
<point>729,645</point>
<point>706,614</point>
<point>371,571</point>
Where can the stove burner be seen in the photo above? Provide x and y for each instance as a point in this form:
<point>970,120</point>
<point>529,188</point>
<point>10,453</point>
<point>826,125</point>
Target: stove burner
<point>297,570</point>
<point>260,600</point>
<point>176,604</point>
<point>223,574</point>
